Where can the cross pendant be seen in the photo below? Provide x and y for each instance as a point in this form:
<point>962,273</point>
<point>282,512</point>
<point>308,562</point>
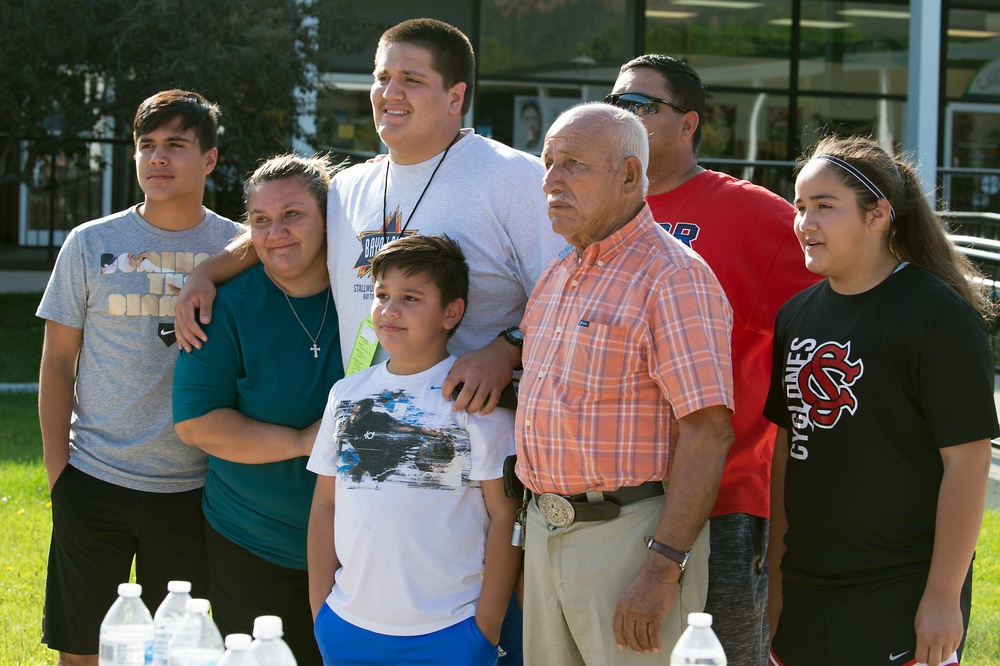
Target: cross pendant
<point>315,350</point>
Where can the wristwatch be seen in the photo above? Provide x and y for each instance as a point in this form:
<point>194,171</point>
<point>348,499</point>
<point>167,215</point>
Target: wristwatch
<point>513,335</point>
<point>677,557</point>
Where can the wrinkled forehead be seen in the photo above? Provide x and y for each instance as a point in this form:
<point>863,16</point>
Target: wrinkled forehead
<point>581,128</point>
<point>574,123</point>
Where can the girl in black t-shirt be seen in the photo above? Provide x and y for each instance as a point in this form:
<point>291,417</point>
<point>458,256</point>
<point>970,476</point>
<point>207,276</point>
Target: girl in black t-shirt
<point>882,391</point>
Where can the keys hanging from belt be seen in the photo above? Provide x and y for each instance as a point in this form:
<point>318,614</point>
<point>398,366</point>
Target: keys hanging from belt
<point>520,522</point>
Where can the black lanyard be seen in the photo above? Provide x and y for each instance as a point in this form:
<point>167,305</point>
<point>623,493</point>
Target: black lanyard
<point>385,190</point>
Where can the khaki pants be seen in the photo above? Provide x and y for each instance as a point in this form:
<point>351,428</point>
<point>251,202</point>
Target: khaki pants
<point>574,575</point>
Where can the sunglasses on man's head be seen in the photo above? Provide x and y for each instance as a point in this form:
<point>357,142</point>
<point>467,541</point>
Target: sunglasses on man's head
<point>639,103</point>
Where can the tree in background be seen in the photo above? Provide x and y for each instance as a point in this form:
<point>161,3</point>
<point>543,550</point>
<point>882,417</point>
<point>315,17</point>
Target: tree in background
<point>77,69</point>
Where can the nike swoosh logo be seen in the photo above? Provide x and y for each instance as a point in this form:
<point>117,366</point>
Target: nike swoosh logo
<point>167,335</point>
<point>894,657</point>
<point>436,388</point>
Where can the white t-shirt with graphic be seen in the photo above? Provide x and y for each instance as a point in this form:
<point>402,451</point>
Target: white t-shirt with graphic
<point>411,523</point>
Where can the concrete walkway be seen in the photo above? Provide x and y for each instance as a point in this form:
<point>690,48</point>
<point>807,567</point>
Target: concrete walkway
<point>21,282</point>
<point>993,488</point>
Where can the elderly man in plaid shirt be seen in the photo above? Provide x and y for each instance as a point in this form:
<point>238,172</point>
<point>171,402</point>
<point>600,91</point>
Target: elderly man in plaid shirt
<point>624,407</point>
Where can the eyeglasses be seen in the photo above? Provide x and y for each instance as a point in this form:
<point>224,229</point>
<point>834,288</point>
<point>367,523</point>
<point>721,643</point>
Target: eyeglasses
<point>640,104</point>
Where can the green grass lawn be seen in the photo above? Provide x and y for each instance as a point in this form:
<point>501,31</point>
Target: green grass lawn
<point>24,531</point>
<point>20,338</point>
<point>983,642</point>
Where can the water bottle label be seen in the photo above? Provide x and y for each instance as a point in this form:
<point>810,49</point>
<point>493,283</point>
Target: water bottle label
<point>161,642</point>
<point>126,652</point>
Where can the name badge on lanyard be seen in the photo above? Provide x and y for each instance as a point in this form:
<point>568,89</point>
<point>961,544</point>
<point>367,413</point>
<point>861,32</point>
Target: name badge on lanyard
<point>364,347</point>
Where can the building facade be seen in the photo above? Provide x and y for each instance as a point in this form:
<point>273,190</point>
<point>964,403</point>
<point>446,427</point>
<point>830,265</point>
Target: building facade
<point>918,75</point>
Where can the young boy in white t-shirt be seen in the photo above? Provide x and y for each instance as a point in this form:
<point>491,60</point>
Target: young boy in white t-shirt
<point>410,532</point>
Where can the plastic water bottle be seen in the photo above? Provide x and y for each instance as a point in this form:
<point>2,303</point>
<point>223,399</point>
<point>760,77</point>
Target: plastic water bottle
<point>267,648</point>
<point>698,644</point>
<point>197,641</point>
<point>167,617</point>
<point>127,630</point>
<point>236,650</point>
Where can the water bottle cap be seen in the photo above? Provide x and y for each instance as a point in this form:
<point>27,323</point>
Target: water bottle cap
<point>129,590</point>
<point>197,606</point>
<point>179,587</point>
<point>700,619</point>
<point>238,641</point>
<point>267,626</point>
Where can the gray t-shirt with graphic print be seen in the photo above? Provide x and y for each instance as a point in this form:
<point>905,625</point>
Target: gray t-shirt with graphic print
<point>117,278</point>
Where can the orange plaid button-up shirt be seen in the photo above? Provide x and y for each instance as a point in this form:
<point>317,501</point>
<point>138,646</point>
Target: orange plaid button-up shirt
<point>618,345</point>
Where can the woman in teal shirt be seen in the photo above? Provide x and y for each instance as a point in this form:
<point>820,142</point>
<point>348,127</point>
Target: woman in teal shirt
<point>252,397</point>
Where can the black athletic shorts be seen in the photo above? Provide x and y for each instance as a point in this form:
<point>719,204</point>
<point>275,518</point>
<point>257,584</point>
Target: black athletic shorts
<point>243,586</point>
<point>97,529</point>
<point>874,629</point>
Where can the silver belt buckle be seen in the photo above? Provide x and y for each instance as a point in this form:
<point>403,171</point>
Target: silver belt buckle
<point>556,509</point>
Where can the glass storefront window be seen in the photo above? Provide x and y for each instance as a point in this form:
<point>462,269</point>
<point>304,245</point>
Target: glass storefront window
<point>730,43</point>
<point>344,122</point>
<point>743,134</point>
<point>859,47</point>
<point>970,170</point>
<point>559,40</point>
<point>971,179</point>
<point>973,55</point>
<point>882,119</point>
<point>744,126</point>
<point>520,115</point>
<point>349,30</point>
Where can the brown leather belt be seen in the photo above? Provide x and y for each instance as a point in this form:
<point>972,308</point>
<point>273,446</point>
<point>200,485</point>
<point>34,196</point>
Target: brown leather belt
<point>563,510</point>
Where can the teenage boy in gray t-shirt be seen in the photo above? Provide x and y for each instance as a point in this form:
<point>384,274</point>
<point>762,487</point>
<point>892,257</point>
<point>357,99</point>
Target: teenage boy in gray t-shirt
<point>123,485</point>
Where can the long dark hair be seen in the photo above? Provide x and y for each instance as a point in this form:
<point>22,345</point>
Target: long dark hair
<point>916,234</point>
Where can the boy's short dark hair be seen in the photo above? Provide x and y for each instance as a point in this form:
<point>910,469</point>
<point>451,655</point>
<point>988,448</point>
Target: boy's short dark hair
<point>451,51</point>
<point>190,108</point>
<point>439,258</point>
<point>680,79</point>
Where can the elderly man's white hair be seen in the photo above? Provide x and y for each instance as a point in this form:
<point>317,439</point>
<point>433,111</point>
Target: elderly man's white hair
<point>633,141</point>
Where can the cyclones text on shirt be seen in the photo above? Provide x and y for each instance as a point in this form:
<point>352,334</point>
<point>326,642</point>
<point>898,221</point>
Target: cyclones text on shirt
<point>818,380</point>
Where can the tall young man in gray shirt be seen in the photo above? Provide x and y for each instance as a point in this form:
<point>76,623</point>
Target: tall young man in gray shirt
<point>123,485</point>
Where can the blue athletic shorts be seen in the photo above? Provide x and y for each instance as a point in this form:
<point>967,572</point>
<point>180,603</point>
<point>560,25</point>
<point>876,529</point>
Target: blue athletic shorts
<point>344,644</point>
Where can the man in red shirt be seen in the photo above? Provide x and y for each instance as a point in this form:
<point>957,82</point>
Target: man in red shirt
<point>745,234</point>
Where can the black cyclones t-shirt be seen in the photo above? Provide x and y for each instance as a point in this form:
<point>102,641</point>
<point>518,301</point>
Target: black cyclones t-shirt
<point>870,387</point>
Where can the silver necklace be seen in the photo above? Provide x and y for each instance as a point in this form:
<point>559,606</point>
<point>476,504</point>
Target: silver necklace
<point>315,349</point>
